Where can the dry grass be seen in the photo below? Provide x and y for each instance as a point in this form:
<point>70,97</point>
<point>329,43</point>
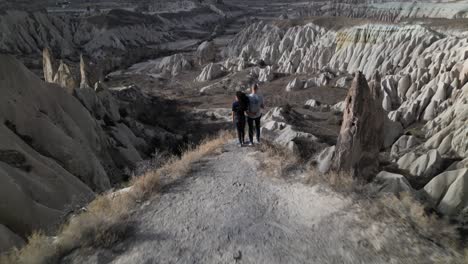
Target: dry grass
<point>410,212</point>
<point>177,167</point>
<point>396,211</point>
<point>276,160</point>
<point>103,223</point>
<point>106,220</point>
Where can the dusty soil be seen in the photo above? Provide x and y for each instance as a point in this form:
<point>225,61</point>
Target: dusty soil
<point>225,212</point>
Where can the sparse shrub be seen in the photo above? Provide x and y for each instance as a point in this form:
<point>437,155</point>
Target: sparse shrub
<point>277,160</point>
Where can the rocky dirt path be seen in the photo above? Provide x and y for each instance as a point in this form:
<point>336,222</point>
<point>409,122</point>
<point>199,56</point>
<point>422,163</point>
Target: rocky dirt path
<point>225,213</point>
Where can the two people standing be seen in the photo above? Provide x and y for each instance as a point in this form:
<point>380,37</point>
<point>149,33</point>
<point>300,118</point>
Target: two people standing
<point>248,108</point>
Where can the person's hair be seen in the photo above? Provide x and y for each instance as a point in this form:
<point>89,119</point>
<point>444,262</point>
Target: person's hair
<point>255,87</point>
<point>243,99</point>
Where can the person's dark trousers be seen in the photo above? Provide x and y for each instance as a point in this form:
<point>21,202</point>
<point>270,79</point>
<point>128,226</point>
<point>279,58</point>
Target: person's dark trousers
<point>240,125</point>
<point>252,122</point>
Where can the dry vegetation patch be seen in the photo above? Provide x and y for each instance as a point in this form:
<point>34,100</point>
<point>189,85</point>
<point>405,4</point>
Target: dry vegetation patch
<point>276,161</point>
<point>395,212</point>
<point>106,220</point>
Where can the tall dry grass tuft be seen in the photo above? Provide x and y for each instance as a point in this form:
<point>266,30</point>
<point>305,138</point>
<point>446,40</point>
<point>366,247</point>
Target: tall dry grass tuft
<point>106,220</point>
<point>177,167</point>
<point>276,160</point>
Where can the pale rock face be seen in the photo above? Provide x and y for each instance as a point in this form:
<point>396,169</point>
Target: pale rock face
<point>174,64</point>
<point>206,53</point>
<point>50,67</point>
<point>294,85</point>
<point>344,82</point>
<point>278,131</point>
<point>427,165</point>
<point>325,159</point>
<point>403,144</point>
<point>360,137</point>
<point>210,72</point>
<point>392,183</point>
<point>339,107</point>
<point>449,191</point>
<point>447,131</point>
<point>64,78</point>
<point>406,160</point>
<point>275,114</point>
<point>266,74</point>
<point>403,86</point>
<point>313,103</point>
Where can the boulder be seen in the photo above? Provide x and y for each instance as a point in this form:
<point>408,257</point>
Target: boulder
<point>392,183</point>
<point>313,103</point>
<point>360,137</point>
<point>174,65</point>
<point>403,144</point>
<point>266,74</point>
<point>427,165</point>
<point>210,72</point>
<point>449,191</point>
<point>344,82</point>
<point>206,53</point>
<point>325,159</point>
<point>295,85</point>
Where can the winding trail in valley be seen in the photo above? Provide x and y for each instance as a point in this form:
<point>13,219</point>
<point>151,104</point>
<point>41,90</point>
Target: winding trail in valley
<point>225,212</point>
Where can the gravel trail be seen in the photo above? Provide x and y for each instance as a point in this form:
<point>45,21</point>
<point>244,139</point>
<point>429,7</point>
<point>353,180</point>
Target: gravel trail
<point>225,213</point>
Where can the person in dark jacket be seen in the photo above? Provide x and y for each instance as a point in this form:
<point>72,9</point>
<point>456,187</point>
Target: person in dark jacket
<point>239,107</point>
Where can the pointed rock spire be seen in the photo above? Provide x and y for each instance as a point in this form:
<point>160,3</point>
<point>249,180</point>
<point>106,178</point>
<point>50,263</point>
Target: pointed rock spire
<point>64,78</point>
<point>49,65</point>
<point>361,134</point>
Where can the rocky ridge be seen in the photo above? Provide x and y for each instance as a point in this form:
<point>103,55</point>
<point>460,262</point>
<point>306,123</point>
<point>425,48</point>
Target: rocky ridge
<point>388,11</point>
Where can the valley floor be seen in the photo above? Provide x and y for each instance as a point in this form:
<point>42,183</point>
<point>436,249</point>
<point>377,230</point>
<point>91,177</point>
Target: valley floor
<point>226,212</point>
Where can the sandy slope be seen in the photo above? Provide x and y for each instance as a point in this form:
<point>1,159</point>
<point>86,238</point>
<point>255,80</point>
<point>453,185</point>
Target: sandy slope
<point>226,213</point>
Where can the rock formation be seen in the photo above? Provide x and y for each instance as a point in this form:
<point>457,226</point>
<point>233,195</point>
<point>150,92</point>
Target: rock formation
<point>360,137</point>
<point>50,66</point>
<point>58,149</point>
<point>449,191</point>
<point>388,11</point>
<point>210,72</point>
<point>64,77</point>
<point>206,53</point>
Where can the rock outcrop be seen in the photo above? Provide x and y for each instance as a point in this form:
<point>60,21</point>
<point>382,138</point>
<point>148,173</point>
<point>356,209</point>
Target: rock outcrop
<point>59,147</point>
<point>210,72</point>
<point>449,191</point>
<point>206,53</point>
<point>360,137</point>
<point>392,183</point>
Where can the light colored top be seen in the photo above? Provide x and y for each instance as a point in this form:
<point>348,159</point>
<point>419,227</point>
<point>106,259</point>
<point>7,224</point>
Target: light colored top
<point>255,105</point>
